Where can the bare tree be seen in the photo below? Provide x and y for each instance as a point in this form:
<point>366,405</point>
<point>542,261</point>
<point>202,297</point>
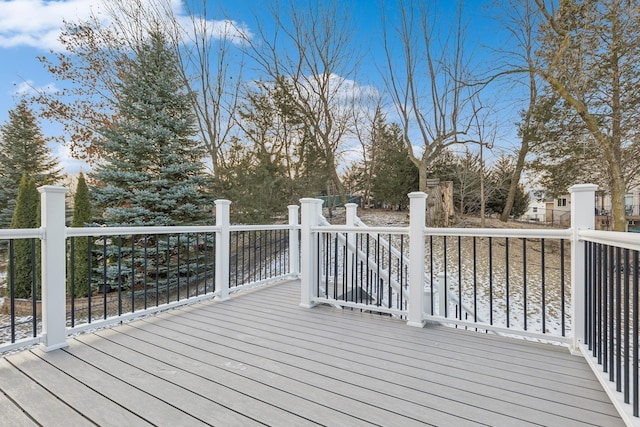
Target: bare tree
<point>310,51</point>
<point>428,82</point>
<point>589,54</point>
<point>520,20</point>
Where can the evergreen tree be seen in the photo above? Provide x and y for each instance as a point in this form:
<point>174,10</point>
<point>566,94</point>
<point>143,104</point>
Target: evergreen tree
<point>152,171</point>
<point>394,175</point>
<point>81,217</point>
<point>499,183</point>
<point>23,150</point>
<point>26,215</point>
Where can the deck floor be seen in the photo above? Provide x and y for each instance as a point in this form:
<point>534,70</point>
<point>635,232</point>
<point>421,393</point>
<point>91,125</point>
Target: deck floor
<point>260,359</point>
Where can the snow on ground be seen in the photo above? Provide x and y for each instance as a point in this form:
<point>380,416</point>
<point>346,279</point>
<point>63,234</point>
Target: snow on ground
<point>495,279</point>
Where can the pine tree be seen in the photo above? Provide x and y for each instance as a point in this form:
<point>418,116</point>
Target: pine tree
<point>152,171</point>
<point>81,217</point>
<point>394,175</point>
<point>26,255</point>
<point>499,183</point>
<point>23,150</point>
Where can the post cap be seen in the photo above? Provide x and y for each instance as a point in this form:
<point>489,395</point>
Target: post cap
<point>53,189</point>
<point>582,188</point>
<point>417,195</point>
<point>311,200</point>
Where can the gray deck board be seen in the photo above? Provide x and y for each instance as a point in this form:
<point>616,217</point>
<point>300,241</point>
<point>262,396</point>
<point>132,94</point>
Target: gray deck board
<point>261,359</point>
<point>404,381</point>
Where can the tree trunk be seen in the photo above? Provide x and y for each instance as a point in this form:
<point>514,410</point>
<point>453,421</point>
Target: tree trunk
<point>515,181</point>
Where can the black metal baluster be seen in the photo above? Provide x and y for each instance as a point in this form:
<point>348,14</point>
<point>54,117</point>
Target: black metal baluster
<point>72,266</point>
<point>237,255</point>
<point>605,310</point>
<point>612,349</point>
<point>168,268</point>
<point>627,337</point>
<point>389,290</point>
<point>490,280</point>
<point>133,273</point>
<point>378,268</point>
<point>205,260</point>
<point>12,290</point>
<point>524,281</point>
<point>345,291</point>
<point>475,280</point>
<point>597,342</point>
<point>369,278</point>
<point>460,276</point>
<point>618,321</point>
<point>543,286</point>
<point>34,290</point>
<point>335,265</point>
<point>431,271</point>
<point>446,284</point>
<point>119,275</point>
<point>144,269</point>
<point>562,284</point>
<point>104,277</point>
<point>636,344</point>
<point>188,244</point>
<point>506,266</point>
<point>327,255</point>
<point>157,259</point>
<point>89,249</point>
<point>197,254</point>
<point>401,271</point>
<point>589,268</point>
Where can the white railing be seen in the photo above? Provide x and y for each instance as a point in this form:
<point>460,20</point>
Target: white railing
<point>440,268</point>
<point>526,271</point>
<point>272,255</point>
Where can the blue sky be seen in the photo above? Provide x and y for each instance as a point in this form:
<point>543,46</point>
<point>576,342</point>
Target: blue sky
<point>29,28</point>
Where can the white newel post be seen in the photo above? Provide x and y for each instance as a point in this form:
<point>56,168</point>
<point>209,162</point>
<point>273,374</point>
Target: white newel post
<point>582,218</point>
<point>351,212</point>
<point>311,210</point>
<point>54,301</point>
<point>222,248</point>
<point>294,243</point>
<point>417,209</point>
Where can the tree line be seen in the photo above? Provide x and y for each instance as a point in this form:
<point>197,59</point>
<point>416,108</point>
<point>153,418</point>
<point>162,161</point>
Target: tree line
<point>275,111</point>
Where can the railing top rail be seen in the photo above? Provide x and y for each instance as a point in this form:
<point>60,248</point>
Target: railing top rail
<point>22,233</point>
<point>500,232</point>
<point>612,238</point>
<point>125,231</point>
<point>264,227</point>
<point>354,229</point>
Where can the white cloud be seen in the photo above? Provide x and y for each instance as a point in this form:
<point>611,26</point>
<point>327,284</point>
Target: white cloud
<point>37,23</point>
<point>225,29</point>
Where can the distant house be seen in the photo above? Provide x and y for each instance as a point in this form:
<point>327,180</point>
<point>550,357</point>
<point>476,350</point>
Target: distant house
<point>558,210</point>
<point>631,205</point>
<point>536,212</point>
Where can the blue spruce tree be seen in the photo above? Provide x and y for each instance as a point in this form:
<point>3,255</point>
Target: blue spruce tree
<point>151,172</point>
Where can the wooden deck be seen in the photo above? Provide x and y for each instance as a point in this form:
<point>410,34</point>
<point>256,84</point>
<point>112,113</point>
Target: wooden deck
<point>261,359</point>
